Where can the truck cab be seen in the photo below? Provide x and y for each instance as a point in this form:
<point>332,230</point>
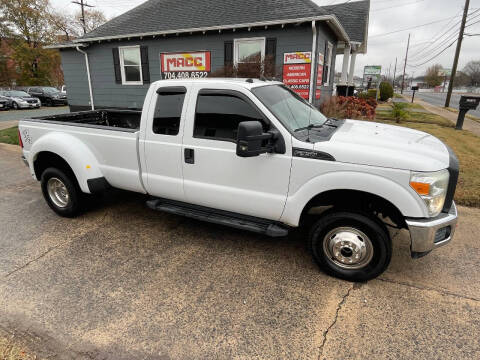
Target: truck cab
<point>254,155</point>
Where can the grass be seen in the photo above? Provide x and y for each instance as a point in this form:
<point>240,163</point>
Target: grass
<point>11,351</point>
<point>465,145</point>
<point>468,116</point>
<point>9,136</point>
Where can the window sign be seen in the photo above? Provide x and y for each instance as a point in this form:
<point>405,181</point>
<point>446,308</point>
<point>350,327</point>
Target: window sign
<point>185,65</point>
<point>297,67</point>
<point>318,91</point>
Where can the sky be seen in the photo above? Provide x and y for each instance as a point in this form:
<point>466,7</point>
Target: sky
<point>385,16</point>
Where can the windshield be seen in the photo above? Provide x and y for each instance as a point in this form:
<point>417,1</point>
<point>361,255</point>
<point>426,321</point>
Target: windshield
<point>16,93</point>
<point>294,112</point>
<point>50,90</point>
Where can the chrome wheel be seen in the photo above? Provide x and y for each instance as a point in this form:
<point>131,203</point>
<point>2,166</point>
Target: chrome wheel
<point>58,192</point>
<point>348,248</point>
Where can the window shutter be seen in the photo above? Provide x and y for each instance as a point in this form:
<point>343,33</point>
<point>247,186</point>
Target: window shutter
<point>271,48</point>
<point>228,53</point>
<point>145,64</point>
<point>325,65</point>
<point>116,66</point>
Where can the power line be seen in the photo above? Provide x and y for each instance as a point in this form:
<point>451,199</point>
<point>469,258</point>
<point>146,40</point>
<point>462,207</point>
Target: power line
<point>82,6</point>
<point>435,56</point>
<point>397,6</point>
<point>413,27</point>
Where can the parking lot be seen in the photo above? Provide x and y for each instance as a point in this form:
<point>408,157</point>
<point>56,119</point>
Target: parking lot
<point>125,282</point>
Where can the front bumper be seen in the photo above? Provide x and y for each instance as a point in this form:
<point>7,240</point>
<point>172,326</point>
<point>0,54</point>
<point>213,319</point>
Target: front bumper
<point>428,234</point>
<point>28,105</point>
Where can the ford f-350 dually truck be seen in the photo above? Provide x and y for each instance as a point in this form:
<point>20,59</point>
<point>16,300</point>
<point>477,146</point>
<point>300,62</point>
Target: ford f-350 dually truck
<point>254,155</point>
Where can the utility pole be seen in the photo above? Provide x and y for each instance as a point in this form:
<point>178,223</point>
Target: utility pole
<point>82,19</point>
<point>405,66</point>
<point>394,74</point>
<point>457,53</point>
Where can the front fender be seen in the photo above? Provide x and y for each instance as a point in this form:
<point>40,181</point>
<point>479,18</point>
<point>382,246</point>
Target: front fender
<point>405,199</point>
<point>78,156</point>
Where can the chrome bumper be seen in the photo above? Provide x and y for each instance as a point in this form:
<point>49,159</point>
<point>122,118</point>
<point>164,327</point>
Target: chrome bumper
<point>428,234</point>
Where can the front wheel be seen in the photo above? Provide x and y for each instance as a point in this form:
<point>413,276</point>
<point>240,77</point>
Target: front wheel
<point>15,105</point>
<point>61,192</point>
<point>351,246</point>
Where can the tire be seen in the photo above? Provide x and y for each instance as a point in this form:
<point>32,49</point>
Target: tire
<point>58,182</point>
<point>48,102</point>
<point>350,246</point>
<point>15,106</point>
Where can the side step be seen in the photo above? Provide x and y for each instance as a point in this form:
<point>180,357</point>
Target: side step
<point>238,221</point>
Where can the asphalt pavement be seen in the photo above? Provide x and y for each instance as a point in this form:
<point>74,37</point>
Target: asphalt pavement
<point>12,115</point>
<point>438,99</point>
<point>125,282</point>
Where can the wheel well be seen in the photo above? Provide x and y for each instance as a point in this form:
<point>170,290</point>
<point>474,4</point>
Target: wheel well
<point>46,159</point>
<point>356,200</point>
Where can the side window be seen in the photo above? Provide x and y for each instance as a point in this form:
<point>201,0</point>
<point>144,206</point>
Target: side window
<point>217,116</point>
<point>168,111</point>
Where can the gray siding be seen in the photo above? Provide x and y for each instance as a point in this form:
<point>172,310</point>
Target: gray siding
<point>107,93</point>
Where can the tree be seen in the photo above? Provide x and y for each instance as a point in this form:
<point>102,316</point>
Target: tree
<point>432,76</point>
<point>472,70</point>
<point>461,79</point>
<point>29,26</point>
<point>93,19</point>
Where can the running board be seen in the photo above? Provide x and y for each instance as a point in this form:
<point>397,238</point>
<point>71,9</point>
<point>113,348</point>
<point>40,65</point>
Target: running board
<point>238,221</point>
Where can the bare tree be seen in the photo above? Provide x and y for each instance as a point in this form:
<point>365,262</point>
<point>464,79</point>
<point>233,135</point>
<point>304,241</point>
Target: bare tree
<point>432,76</point>
<point>472,70</point>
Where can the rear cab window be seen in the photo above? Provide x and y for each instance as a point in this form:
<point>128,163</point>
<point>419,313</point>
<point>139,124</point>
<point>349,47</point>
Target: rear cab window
<point>168,110</point>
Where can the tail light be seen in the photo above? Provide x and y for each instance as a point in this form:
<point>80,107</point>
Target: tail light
<point>20,142</point>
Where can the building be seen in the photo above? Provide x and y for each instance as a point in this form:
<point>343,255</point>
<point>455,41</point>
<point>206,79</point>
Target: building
<point>113,65</point>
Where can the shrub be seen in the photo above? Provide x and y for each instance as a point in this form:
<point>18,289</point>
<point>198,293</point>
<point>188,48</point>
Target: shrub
<point>349,108</point>
<point>372,93</point>
<point>386,91</point>
<point>398,111</point>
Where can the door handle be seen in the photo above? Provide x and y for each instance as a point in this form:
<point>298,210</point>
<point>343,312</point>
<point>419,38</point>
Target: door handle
<point>189,156</point>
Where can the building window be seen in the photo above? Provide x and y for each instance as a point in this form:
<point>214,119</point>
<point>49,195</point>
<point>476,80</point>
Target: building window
<point>249,50</point>
<point>328,64</point>
<point>131,65</point>
<point>217,116</point>
<point>168,111</point>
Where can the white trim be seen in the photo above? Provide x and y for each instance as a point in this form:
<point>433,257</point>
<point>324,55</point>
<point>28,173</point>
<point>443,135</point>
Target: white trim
<point>313,67</point>
<point>326,81</point>
<point>332,20</point>
<point>237,41</point>
<point>122,65</point>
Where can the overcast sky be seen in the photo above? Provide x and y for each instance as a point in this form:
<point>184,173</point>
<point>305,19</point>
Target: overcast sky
<point>385,16</point>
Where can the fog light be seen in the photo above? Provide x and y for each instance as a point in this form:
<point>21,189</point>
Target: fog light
<point>442,234</point>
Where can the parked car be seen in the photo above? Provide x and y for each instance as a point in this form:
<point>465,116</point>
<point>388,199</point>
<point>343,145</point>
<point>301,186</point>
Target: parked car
<point>21,100</point>
<point>254,155</point>
<point>4,103</point>
<point>49,96</point>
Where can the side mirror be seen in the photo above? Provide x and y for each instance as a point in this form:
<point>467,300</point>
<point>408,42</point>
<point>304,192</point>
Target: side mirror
<point>250,137</point>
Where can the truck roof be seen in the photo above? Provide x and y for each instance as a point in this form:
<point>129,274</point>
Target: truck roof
<point>244,82</point>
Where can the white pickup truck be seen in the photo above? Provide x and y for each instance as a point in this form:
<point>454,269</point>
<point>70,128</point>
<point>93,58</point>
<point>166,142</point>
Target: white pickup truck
<point>253,155</point>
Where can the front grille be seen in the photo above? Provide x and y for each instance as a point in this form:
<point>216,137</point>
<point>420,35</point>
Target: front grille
<point>32,101</point>
<point>442,234</point>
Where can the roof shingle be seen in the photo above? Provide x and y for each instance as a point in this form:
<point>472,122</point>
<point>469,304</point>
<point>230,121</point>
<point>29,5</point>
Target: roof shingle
<point>353,16</point>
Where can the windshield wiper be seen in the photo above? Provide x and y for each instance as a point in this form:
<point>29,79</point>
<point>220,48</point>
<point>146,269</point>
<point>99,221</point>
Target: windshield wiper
<point>311,126</point>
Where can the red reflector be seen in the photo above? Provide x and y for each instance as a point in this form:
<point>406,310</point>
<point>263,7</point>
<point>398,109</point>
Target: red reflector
<point>20,142</point>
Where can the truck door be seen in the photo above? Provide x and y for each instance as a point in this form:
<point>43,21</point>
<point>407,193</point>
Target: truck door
<point>163,143</point>
<point>214,176</point>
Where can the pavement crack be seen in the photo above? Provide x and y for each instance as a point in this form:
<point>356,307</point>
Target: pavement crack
<point>332,324</point>
<point>423,287</point>
<point>33,260</point>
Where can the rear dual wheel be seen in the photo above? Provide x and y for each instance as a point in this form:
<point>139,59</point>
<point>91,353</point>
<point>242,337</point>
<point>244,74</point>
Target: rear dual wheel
<point>61,192</point>
<point>351,246</point>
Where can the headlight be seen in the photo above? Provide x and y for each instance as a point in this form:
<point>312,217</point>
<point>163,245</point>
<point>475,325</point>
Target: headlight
<point>432,188</point>
<point>20,100</point>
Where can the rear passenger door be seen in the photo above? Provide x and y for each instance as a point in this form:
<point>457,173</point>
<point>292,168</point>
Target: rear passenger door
<point>214,176</point>
<point>163,143</point>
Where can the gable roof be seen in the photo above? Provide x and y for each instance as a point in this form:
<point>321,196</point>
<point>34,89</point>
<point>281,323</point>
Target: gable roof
<point>354,18</point>
<point>159,16</point>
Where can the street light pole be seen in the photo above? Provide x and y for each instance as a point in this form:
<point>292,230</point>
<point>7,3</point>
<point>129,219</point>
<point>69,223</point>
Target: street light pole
<point>457,53</point>
<point>405,66</point>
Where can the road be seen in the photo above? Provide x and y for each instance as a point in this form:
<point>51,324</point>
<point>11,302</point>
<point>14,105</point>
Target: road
<point>125,282</point>
<point>12,115</point>
<point>438,99</point>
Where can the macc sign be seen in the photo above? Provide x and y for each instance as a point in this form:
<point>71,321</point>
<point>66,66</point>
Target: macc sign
<point>188,61</point>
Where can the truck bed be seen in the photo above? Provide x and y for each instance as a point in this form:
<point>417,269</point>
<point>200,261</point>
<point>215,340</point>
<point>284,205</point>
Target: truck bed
<point>122,120</point>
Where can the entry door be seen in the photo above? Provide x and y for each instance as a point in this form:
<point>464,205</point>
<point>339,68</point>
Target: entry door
<point>163,143</point>
<point>214,176</point>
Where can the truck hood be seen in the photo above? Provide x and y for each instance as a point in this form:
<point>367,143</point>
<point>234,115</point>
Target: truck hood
<point>376,144</point>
